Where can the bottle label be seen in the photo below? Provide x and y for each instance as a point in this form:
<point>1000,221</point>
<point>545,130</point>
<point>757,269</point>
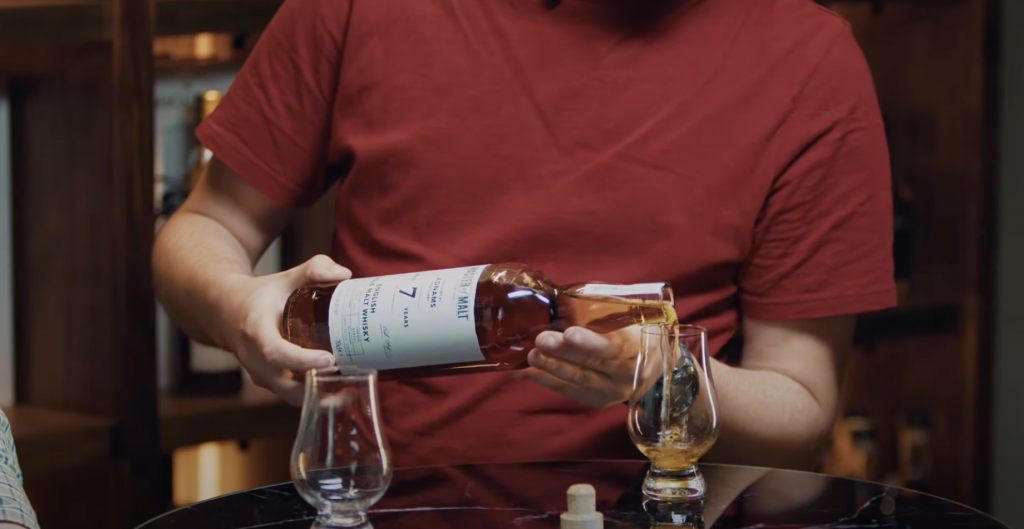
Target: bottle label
<point>406,320</point>
<point>639,289</point>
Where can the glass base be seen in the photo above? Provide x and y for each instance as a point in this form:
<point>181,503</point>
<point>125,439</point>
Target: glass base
<point>674,485</point>
<point>675,513</point>
<point>335,520</point>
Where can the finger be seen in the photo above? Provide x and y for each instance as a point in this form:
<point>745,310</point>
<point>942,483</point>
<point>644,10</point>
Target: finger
<point>570,372</point>
<point>587,348</point>
<point>277,381</point>
<point>282,354</point>
<point>291,391</point>
<point>596,399</point>
<point>576,341</point>
<point>319,269</point>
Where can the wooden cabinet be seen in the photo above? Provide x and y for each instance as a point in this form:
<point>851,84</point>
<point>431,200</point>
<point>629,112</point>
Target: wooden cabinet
<point>89,424</point>
<point>935,69</point>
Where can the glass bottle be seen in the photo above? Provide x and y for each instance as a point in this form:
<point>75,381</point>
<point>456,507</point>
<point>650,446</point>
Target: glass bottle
<point>460,320</point>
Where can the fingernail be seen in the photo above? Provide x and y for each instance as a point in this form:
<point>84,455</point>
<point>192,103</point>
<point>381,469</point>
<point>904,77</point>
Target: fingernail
<point>573,337</point>
<point>325,361</point>
<point>340,270</point>
<point>536,358</point>
<point>546,341</point>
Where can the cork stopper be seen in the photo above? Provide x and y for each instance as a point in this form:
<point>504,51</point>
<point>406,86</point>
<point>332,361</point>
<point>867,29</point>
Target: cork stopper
<point>582,513</point>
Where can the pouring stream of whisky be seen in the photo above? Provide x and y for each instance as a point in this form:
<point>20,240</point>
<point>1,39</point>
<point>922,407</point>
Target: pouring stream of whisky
<point>668,360</point>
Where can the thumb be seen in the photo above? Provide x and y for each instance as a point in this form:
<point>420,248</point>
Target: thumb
<point>319,269</point>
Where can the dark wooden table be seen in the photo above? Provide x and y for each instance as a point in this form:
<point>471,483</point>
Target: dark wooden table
<point>532,495</point>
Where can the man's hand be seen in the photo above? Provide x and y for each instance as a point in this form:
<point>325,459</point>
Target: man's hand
<point>583,365</point>
<point>253,307</point>
<point>203,263</point>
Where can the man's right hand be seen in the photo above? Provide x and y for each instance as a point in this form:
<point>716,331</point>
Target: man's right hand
<point>203,262</point>
<point>252,310</point>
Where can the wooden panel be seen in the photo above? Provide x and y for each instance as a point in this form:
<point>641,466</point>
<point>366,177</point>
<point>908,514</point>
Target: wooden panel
<point>177,17</point>
<point>186,421</point>
<point>41,60</point>
<point>899,323</point>
<point>134,302</point>
<point>933,74</point>
<point>927,62</point>
<point>25,22</point>
<point>83,220</point>
<point>49,21</point>
<point>981,334</point>
<point>50,440</point>
<point>63,241</point>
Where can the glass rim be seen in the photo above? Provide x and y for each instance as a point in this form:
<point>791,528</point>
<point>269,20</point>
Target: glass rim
<point>337,373</point>
<point>686,330</point>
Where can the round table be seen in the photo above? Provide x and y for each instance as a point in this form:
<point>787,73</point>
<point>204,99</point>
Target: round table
<point>532,495</point>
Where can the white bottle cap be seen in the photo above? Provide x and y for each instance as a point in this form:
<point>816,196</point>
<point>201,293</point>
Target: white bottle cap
<point>582,513</point>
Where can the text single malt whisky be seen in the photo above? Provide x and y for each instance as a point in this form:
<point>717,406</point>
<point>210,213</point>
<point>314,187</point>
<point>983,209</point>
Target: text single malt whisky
<point>471,319</point>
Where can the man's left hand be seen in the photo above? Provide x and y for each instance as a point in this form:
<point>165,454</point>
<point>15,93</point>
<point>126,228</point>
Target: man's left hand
<point>595,369</point>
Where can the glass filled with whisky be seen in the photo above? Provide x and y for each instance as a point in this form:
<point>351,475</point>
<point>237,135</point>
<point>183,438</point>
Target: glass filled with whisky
<point>673,410</point>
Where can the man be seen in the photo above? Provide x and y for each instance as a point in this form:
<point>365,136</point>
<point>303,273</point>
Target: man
<point>731,147</point>
<point>15,509</point>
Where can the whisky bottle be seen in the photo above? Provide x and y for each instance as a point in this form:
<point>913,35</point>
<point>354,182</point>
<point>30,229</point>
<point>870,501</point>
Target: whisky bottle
<point>460,320</point>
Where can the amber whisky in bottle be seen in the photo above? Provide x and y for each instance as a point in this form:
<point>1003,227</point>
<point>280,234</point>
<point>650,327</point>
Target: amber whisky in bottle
<point>459,320</point>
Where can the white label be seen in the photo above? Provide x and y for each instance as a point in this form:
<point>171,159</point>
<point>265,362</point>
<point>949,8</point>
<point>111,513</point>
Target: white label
<point>639,289</point>
<point>406,320</point>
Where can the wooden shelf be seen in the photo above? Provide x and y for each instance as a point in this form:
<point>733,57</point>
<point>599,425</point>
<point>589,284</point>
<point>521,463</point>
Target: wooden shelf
<point>48,440</point>
<point>182,17</point>
<point>256,412</point>
<point>33,22</point>
<point>26,22</point>
<point>908,322</point>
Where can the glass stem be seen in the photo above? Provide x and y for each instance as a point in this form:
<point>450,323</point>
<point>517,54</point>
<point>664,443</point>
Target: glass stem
<point>684,484</point>
<point>334,520</point>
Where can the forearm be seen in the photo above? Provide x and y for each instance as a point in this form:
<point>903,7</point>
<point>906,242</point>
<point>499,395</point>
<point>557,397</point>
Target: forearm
<point>195,259</point>
<point>768,419</point>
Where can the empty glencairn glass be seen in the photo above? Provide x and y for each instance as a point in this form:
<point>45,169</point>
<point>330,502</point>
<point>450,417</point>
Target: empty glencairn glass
<point>341,463</point>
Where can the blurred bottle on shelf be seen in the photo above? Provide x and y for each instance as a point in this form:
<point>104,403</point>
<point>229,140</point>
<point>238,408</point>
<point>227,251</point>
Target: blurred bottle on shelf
<point>854,450</point>
<point>915,450</point>
<point>865,442</point>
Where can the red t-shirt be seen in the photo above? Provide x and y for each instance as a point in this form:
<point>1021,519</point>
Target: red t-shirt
<point>731,147</point>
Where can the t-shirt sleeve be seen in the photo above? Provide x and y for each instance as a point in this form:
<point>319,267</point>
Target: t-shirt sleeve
<point>273,126</point>
<point>823,240</point>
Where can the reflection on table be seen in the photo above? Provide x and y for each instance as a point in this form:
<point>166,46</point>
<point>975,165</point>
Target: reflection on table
<point>532,495</point>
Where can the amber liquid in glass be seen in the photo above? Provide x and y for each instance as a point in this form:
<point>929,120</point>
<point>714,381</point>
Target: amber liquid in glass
<point>676,451</point>
<point>514,303</point>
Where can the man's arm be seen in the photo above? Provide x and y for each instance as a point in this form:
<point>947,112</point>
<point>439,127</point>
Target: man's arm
<point>777,407</point>
<point>203,270</point>
<point>214,238</point>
